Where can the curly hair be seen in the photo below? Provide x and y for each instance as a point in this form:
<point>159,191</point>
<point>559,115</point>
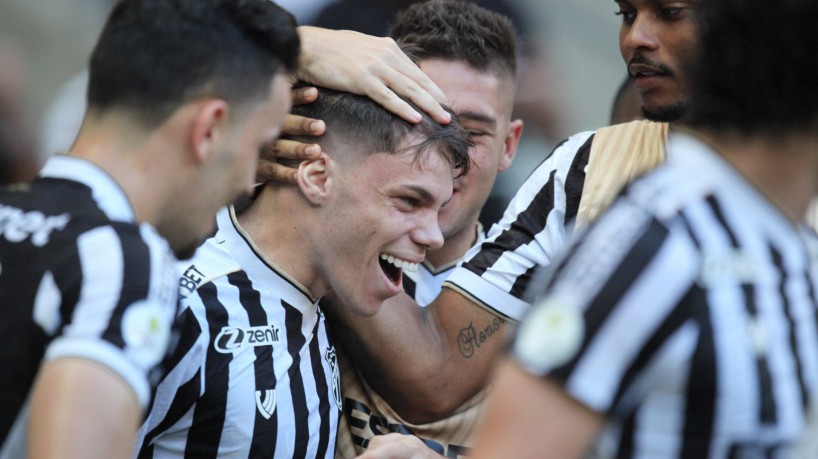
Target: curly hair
<point>459,30</point>
<point>758,66</point>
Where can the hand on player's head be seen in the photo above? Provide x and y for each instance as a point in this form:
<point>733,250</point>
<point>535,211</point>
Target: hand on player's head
<point>372,66</point>
<point>269,167</point>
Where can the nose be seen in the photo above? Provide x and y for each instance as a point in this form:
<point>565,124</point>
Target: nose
<point>428,233</point>
<point>641,34</point>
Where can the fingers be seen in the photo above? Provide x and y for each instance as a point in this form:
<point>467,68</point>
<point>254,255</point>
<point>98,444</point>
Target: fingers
<point>299,125</point>
<point>305,95</point>
<point>398,446</point>
<point>379,91</point>
<point>394,74</point>
<point>275,172</point>
<point>373,66</point>
<point>291,149</point>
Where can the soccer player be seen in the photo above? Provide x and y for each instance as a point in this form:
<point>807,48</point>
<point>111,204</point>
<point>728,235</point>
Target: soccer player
<point>181,98</point>
<point>458,338</point>
<point>695,334</point>
<point>470,53</point>
<point>255,374</point>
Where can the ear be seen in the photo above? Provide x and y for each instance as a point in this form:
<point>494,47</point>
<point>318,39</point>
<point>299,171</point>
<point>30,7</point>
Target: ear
<point>314,177</point>
<point>515,130</point>
<point>209,126</point>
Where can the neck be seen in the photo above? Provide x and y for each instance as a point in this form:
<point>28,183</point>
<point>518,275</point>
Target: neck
<point>455,247</point>
<point>276,224</point>
<point>135,159</point>
<point>784,168</point>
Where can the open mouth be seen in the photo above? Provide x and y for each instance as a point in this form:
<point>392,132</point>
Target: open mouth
<point>393,267</point>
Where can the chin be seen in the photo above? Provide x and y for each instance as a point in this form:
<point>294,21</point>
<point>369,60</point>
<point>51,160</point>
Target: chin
<point>186,252</point>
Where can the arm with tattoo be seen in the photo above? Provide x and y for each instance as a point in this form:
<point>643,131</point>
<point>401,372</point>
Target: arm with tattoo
<point>425,362</point>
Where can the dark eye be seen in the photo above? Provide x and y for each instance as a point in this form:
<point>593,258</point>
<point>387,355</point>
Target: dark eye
<point>627,16</point>
<point>410,202</point>
<point>477,134</point>
<point>669,12</point>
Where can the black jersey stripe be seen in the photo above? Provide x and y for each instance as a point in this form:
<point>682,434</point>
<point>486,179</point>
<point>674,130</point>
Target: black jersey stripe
<point>409,286</point>
<point>264,439</point>
<point>528,224</point>
<point>627,437</point>
<point>575,180</point>
<point>672,323</point>
<point>188,333</point>
<point>700,396</point>
<point>533,219</point>
<point>813,299</point>
<point>778,262</point>
<point>210,413</point>
<point>183,400</point>
<point>322,389</point>
<point>136,275</point>
<point>295,342</point>
<point>522,282</point>
<point>641,254</point>
<point>768,411</point>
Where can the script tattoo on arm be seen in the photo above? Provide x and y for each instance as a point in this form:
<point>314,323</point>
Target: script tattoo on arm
<point>469,339</point>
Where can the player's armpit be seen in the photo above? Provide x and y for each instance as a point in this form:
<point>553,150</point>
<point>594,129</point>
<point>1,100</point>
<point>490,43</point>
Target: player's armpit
<point>425,362</point>
<point>533,417</point>
<point>80,408</point>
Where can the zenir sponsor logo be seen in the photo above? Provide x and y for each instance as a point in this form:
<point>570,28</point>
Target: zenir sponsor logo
<point>231,339</point>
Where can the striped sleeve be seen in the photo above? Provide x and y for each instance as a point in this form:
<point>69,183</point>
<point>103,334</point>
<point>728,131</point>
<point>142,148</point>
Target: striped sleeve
<point>126,306</point>
<point>597,301</point>
<point>532,232</point>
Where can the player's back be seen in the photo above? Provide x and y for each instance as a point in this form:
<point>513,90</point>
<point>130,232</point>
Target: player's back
<point>72,262</point>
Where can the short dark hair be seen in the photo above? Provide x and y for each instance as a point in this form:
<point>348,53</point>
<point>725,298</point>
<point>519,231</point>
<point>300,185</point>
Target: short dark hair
<point>756,71</point>
<point>459,30</point>
<point>359,121</point>
<point>153,56</point>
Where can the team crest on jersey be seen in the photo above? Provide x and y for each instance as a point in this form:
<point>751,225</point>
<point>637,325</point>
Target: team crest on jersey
<point>231,339</point>
<point>146,329</point>
<point>266,402</point>
<point>332,360</point>
<point>551,335</point>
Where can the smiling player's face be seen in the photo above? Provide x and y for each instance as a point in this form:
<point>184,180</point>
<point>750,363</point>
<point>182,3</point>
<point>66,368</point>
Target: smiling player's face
<point>379,221</point>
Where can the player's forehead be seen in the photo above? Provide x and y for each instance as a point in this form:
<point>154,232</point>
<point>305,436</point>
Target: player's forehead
<point>426,172</point>
<point>463,84</point>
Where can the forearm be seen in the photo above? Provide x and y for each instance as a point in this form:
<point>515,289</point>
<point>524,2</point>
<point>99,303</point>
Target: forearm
<point>425,362</point>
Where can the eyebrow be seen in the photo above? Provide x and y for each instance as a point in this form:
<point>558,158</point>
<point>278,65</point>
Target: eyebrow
<point>477,116</point>
<point>425,195</point>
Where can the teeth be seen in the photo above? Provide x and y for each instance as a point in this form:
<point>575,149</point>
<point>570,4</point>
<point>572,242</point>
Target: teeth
<point>403,264</point>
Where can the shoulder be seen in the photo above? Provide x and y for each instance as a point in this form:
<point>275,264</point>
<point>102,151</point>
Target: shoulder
<point>211,262</point>
<point>576,145</point>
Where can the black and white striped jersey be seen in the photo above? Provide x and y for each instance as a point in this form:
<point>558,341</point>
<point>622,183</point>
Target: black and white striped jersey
<point>687,316</point>
<point>255,373</point>
<point>532,232</point>
<point>79,278</point>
